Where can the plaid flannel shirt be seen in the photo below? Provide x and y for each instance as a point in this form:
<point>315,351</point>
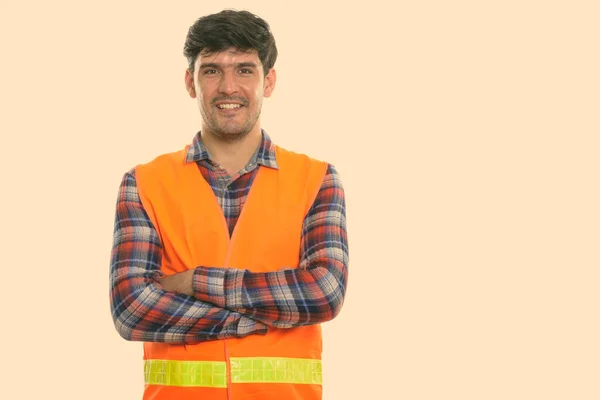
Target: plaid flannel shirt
<point>227,302</point>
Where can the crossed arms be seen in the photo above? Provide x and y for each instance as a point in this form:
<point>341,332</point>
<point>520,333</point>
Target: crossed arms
<point>210,302</point>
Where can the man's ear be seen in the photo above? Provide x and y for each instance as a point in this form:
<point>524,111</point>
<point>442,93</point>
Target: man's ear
<point>189,83</point>
<point>270,80</point>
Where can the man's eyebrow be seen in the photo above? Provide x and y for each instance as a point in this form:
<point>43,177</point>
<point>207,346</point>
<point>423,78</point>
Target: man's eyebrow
<point>209,65</point>
<point>246,64</point>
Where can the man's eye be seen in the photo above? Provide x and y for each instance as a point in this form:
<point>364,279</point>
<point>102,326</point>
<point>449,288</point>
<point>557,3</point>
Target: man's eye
<point>210,71</point>
<point>245,71</point>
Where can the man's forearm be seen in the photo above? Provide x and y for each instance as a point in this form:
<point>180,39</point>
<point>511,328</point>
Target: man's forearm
<point>316,296</point>
<point>143,311</point>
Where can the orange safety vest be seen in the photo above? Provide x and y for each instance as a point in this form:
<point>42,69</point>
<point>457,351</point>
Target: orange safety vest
<point>283,364</point>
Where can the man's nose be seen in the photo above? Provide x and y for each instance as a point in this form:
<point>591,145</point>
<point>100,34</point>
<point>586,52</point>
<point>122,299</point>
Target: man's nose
<point>228,83</point>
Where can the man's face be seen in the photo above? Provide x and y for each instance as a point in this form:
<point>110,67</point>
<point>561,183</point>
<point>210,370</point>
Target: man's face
<point>229,87</point>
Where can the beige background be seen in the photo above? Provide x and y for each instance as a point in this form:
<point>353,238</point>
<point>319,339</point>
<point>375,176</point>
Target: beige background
<point>466,134</point>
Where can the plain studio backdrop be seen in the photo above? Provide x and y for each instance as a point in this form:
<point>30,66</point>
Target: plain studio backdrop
<point>466,135</point>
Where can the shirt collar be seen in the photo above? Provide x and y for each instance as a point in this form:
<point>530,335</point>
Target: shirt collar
<point>265,155</point>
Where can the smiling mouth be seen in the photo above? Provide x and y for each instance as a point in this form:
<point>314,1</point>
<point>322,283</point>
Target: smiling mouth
<point>229,106</point>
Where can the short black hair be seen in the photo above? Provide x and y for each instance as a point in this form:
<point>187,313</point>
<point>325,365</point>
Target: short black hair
<point>241,30</point>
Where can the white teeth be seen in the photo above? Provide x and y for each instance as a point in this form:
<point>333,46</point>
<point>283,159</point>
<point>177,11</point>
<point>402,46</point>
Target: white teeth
<point>229,106</point>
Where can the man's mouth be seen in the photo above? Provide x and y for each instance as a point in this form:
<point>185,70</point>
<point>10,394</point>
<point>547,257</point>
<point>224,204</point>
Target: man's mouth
<point>228,106</point>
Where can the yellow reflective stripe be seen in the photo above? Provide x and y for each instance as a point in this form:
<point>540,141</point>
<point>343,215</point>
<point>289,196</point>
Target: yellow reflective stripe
<point>185,373</point>
<point>243,370</point>
<point>275,370</point>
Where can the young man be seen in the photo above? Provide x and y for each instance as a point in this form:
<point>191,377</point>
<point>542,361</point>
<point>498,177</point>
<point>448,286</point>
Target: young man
<point>229,254</point>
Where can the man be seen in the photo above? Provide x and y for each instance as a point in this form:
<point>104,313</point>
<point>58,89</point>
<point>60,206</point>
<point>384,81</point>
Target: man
<point>229,254</point>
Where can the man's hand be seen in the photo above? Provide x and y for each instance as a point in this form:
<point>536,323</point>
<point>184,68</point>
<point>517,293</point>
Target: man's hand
<point>181,282</point>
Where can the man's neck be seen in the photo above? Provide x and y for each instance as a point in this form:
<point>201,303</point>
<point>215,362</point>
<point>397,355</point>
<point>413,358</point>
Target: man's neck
<point>232,156</point>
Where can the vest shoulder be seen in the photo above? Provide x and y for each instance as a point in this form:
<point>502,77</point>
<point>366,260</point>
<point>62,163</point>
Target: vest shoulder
<point>298,167</point>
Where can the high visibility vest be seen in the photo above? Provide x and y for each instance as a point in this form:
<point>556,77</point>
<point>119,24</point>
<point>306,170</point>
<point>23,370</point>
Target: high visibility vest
<point>284,363</point>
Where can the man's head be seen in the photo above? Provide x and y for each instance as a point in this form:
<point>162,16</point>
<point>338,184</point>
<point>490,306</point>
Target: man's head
<point>231,56</point>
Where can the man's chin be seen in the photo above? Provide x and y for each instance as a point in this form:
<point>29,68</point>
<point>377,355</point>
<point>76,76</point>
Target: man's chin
<point>231,135</point>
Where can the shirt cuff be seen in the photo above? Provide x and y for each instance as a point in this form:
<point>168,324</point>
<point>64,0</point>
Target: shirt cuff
<point>247,326</point>
<point>209,285</point>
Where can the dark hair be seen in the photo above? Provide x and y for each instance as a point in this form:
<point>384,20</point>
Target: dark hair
<point>231,28</point>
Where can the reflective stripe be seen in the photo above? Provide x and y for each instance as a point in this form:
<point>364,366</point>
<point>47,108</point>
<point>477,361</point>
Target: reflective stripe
<point>243,370</point>
<point>185,373</point>
<point>275,370</point>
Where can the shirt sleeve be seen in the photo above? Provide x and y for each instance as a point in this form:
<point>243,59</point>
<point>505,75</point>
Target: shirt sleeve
<point>310,294</point>
<point>141,309</point>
